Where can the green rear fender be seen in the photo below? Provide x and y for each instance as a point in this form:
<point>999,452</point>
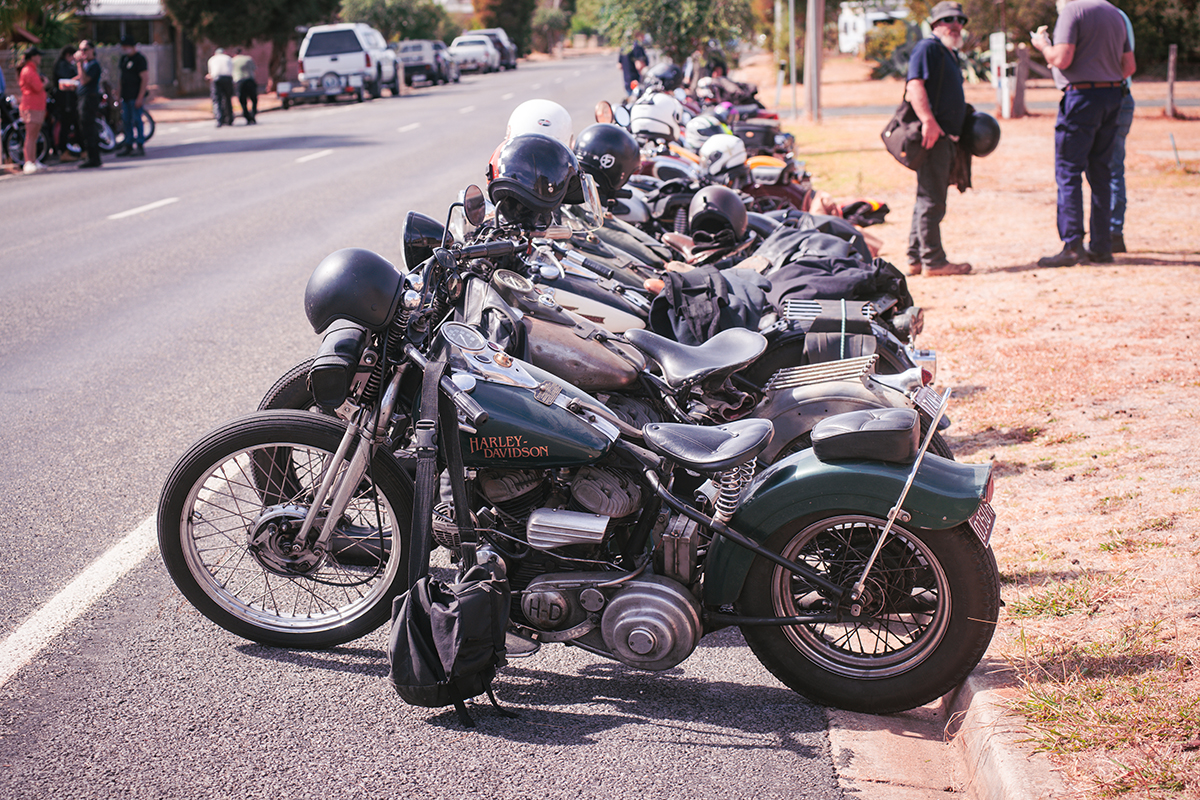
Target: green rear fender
<point>944,494</point>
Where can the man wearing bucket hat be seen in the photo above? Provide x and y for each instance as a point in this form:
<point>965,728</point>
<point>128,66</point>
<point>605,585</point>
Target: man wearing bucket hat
<point>1091,57</point>
<point>934,89</point>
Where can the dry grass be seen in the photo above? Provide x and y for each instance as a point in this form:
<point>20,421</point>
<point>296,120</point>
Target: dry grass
<point>1082,386</point>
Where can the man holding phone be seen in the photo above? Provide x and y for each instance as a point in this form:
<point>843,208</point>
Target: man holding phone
<point>1090,56</point>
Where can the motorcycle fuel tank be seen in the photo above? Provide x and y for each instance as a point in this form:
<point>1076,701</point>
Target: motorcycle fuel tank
<point>587,363</point>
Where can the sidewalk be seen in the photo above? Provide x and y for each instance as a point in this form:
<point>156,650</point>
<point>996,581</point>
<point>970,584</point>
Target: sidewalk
<point>199,109</point>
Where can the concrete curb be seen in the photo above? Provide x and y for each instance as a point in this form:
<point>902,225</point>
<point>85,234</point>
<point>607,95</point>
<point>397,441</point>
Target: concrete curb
<point>999,765</point>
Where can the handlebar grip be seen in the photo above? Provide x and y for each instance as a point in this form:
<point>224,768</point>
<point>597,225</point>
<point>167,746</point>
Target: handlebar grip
<point>501,247</point>
<point>597,267</point>
<point>476,415</point>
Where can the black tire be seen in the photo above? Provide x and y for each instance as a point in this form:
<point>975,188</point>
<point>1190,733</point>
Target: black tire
<point>14,145</point>
<point>286,104</point>
<point>394,86</point>
<point>375,87</point>
<point>932,600</point>
<point>291,392</point>
<point>260,471</point>
<point>147,129</point>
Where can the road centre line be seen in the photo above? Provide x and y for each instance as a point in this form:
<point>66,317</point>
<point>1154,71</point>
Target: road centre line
<point>508,96</point>
<point>22,645</point>
<point>466,109</point>
<point>412,126</point>
<point>140,209</point>
<point>313,156</point>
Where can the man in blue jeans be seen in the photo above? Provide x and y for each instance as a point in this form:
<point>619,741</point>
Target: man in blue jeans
<point>1117,164</point>
<point>135,83</point>
<point>1091,56</point>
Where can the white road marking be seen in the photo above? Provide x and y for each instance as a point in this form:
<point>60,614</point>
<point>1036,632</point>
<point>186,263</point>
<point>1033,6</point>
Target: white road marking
<point>508,96</point>
<point>148,207</point>
<point>197,139</point>
<point>558,80</point>
<point>466,109</point>
<point>412,126</point>
<point>536,86</point>
<point>313,156</point>
<point>23,644</point>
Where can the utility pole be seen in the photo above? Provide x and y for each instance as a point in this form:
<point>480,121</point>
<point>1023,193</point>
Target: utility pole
<point>813,44</point>
<point>792,53</point>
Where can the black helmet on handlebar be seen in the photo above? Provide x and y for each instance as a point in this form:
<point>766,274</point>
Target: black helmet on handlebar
<point>609,154</point>
<point>355,284</point>
<point>715,209</point>
<point>532,176</point>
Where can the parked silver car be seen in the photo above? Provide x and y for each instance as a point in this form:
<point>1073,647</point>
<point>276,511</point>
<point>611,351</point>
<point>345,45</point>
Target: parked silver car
<point>475,53</point>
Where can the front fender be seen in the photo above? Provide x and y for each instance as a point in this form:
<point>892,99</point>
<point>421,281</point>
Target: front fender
<point>944,494</point>
<point>794,411</point>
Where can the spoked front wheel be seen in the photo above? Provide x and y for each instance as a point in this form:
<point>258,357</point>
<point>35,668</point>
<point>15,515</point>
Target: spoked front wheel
<point>924,620</point>
<point>228,521</point>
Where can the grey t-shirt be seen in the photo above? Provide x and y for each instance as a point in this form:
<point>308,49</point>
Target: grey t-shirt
<point>1097,30</point>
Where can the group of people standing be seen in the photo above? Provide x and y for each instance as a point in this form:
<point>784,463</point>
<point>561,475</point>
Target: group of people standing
<point>1092,60</point>
<point>229,73</point>
<point>74,84</point>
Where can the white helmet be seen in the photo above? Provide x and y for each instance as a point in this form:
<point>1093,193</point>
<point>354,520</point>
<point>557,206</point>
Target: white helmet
<point>541,116</point>
<point>705,89</point>
<point>656,116</point>
<point>722,153</point>
<point>700,129</point>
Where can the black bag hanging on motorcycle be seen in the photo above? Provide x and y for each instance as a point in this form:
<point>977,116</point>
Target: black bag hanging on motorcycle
<point>447,640</point>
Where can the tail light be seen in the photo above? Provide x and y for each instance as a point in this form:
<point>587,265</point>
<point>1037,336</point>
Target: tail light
<point>368,60</point>
<point>301,65</point>
<point>926,377</point>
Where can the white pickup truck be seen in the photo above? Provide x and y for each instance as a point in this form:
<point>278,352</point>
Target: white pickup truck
<point>344,59</point>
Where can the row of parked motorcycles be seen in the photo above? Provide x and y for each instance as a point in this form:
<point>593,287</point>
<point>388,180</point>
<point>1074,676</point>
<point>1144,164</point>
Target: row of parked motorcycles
<point>658,407</point>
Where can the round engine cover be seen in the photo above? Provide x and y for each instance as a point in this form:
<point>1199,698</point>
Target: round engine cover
<point>653,623</point>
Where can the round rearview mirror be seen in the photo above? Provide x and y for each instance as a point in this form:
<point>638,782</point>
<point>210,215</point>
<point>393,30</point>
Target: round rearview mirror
<point>604,111</point>
<point>474,206</point>
<point>621,116</point>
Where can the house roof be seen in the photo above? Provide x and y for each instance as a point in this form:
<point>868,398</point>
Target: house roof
<point>124,9</point>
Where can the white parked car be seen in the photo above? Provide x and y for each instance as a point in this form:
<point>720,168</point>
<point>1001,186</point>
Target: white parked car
<point>475,53</point>
<point>347,58</point>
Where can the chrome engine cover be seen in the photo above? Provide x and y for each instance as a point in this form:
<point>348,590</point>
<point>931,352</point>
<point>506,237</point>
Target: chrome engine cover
<point>606,492</point>
<point>652,623</point>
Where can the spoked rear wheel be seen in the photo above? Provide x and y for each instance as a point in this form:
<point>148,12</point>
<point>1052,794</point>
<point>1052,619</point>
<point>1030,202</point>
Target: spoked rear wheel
<point>926,616</point>
<point>227,523</point>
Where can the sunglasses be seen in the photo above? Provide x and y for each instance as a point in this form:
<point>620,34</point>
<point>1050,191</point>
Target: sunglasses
<point>959,20</point>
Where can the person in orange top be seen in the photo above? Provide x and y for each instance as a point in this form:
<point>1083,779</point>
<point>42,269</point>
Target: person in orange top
<point>33,106</point>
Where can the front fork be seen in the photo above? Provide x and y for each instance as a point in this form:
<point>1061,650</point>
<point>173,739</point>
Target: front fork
<point>341,483</point>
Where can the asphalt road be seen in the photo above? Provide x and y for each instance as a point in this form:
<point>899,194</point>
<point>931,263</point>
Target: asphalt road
<point>152,299</point>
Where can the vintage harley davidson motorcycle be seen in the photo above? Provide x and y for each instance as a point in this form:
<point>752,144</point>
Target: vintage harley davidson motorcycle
<point>862,582</point>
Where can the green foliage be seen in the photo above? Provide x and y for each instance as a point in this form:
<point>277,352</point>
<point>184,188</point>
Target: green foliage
<point>678,27</point>
<point>228,22</point>
<point>549,25</point>
<point>882,40</point>
<point>402,19</point>
<point>586,19</point>
<point>515,16</point>
<point>52,21</point>
<point>1156,23</point>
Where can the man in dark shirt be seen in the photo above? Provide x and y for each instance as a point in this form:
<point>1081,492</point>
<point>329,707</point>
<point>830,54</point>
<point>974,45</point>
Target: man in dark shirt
<point>89,101</point>
<point>135,82</point>
<point>1091,56</point>
<point>934,89</point>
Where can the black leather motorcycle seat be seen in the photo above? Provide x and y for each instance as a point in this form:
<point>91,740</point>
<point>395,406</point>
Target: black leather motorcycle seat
<point>879,434</point>
<point>684,364</point>
<point>709,449</point>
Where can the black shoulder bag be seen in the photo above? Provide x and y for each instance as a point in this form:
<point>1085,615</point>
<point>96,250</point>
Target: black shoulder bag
<point>902,135</point>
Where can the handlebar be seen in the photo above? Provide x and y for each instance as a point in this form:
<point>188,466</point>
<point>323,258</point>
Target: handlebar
<point>502,247</point>
<point>474,412</point>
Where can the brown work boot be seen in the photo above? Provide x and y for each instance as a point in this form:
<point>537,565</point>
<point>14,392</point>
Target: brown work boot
<point>914,268</point>
<point>938,270</point>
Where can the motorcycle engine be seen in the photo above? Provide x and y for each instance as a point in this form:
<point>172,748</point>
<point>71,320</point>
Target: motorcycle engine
<point>650,622</point>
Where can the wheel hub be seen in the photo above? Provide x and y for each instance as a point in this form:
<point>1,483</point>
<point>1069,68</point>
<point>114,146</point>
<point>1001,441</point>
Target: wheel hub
<point>272,541</point>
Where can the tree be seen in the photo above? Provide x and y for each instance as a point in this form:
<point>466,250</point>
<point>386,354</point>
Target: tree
<point>402,19</point>
<point>679,27</point>
<point>549,25</point>
<point>52,21</point>
<point>515,16</point>
<point>238,22</point>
